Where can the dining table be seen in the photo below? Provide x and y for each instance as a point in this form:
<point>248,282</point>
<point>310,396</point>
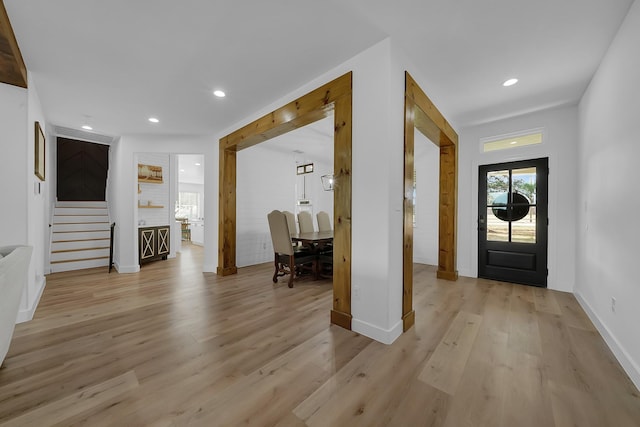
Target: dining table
<point>313,238</point>
<point>317,241</point>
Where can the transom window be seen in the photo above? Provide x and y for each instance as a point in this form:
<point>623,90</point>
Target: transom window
<point>515,140</point>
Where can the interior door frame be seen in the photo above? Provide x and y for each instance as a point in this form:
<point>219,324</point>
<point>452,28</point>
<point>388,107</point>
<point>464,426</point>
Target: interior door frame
<point>336,97</point>
<point>542,218</point>
<point>422,114</point>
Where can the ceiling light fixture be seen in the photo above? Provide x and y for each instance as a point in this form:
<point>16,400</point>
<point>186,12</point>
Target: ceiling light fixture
<point>197,164</point>
<point>219,93</point>
<point>513,142</point>
<point>510,82</point>
<point>154,120</point>
<point>87,127</point>
<point>181,170</point>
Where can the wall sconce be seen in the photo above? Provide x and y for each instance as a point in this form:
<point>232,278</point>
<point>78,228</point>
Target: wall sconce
<point>327,182</point>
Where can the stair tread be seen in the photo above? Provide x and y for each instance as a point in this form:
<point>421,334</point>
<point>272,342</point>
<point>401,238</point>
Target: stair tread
<point>79,240</point>
<point>79,249</point>
<point>80,259</point>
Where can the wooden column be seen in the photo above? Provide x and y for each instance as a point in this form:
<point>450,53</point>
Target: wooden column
<point>227,212</point>
<point>408,315</point>
<point>341,312</point>
<point>448,217</point>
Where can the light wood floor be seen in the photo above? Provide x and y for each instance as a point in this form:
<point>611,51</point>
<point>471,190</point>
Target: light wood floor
<point>171,346</point>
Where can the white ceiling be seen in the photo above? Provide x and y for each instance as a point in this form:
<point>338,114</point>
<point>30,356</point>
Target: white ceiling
<point>115,63</point>
<point>191,168</point>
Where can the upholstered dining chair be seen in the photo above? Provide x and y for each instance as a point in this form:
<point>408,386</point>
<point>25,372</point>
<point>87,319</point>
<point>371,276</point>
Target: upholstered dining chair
<point>305,222</point>
<point>324,224</point>
<point>291,222</point>
<point>287,259</point>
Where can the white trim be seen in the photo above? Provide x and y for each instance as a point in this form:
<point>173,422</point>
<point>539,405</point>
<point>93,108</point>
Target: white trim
<point>206,268</point>
<point>126,269</point>
<point>628,364</point>
<point>385,336</point>
<point>493,138</point>
<point>24,315</point>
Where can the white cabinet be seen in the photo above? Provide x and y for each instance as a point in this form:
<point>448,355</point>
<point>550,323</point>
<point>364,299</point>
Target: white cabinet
<point>197,232</point>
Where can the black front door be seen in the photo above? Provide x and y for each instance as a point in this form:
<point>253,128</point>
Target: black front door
<point>512,222</point>
<point>81,170</point>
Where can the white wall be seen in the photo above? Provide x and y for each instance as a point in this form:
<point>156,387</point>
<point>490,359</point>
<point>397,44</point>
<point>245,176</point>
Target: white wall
<point>24,215</point>
<point>123,193</point>
<point>425,231</point>
<point>559,145</point>
<point>376,186</point>
<point>14,168</point>
<point>267,180</point>
<point>608,202</point>
<point>156,194</point>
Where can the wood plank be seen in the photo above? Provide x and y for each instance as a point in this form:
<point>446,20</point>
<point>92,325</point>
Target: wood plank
<point>81,401</point>
<point>545,300</point>
<point>446,366</point>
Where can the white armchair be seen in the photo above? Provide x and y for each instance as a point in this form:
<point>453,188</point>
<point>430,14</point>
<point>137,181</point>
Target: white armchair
<point>14,266</point>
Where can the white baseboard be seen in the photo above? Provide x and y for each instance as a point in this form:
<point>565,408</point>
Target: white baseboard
<point>207,268</point>
<point>27,314</point>
<point>385,336</point>
<point>467,273</point>
<point>127,268</point>
<point>628,364</point>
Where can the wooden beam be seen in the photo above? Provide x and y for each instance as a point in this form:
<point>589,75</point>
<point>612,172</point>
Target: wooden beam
<point>12,68</point>
<point>307,109</point>
<point>334,96</point>
<point>414,91</point>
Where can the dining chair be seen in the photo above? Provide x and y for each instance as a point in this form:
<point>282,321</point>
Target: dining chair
<point>291,222</point>
<point>305,222</point>
<point>324,224</point>
<point>287,259</point>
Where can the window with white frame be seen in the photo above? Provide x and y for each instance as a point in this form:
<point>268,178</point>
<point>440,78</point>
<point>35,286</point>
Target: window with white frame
<point>188,205</point>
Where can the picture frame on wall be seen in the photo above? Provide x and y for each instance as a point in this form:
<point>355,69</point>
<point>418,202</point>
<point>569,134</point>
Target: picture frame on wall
<point>40,164</point>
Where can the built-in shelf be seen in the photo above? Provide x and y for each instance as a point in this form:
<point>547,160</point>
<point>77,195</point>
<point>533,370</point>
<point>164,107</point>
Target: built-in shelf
<point>150,206</point>
<point>151,180</point>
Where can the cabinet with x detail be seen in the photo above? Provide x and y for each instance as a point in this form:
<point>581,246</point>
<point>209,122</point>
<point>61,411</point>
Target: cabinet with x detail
<point>153,243</point>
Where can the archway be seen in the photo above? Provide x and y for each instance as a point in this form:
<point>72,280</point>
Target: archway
<point>420,113</point>
<point>334,96</point>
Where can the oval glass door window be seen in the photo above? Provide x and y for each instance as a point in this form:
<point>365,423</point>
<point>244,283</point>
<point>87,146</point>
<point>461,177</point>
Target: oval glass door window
<point>519,207</point>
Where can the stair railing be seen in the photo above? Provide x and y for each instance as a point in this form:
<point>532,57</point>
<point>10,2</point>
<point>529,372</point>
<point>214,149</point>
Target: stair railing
<point>113,226</point>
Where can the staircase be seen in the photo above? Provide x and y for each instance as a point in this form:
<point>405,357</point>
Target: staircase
<point>80,236</point>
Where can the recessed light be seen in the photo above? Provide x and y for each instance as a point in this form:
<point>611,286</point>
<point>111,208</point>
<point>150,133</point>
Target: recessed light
<point>219,93</point>
<point>87,127</point>
<point>513,142</point>
<point>154,120</point>
<point>181,170</point>
<point>510,82</point>
<point>197,164</point>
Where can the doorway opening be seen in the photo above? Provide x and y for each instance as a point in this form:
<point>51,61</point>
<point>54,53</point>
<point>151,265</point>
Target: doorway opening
<point>423,115</point>
<point>334,96</point>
